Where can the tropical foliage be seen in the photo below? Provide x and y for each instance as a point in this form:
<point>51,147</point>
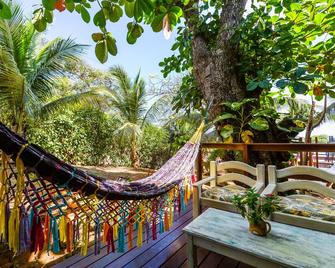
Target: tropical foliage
<point>128,100</point>
<point>29,70</point>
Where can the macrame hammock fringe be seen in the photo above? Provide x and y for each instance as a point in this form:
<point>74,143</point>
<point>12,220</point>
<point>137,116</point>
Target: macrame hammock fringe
<point>46,204</point>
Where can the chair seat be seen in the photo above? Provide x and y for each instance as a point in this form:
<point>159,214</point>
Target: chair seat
<point>309,206</point>
<point>223,193</point>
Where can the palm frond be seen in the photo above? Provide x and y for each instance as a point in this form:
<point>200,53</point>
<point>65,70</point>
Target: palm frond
<point>122,79</point>
<point>90,98</point>
<point>48,64</point>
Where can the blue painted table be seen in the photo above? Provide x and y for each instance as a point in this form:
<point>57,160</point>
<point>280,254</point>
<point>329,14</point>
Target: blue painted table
<point>285,246</point>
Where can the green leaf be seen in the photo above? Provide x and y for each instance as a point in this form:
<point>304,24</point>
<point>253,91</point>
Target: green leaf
<point>85,15</point>
<point>259,123</point>
<point>5,11</point>
<point>101,51</point>
<point>129,8</point>
<point>48,16</point>
<point>111,45</point>
<point>157,23</point>
<point>70,6</point>
<point>99,19</point>
<point>177,11</point>
<point>97,37</point>
<point>147,6</point>
<point>282,83</point>
<point>224,117</point>
<point>265,84</point>
<point>300,88</point>
<point>49,4</point>
<point>252,85</point>
<point>40,24</point>
<point>131,39</point>
<point>227,131</point>
<point>138,12</point>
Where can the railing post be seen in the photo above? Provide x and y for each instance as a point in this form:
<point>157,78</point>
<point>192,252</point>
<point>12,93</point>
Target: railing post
<point>246,153</point>
<point>199,164</point>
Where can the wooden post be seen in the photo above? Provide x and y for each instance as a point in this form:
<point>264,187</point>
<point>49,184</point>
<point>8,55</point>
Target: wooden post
<point>199,165</point>
<point>213,172</point>
<point>301,154</point>
<point>246,154</point>
<point>316,154</point>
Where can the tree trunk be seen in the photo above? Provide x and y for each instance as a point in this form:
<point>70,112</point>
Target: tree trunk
<point>215,69</point>
<point>135,161</point>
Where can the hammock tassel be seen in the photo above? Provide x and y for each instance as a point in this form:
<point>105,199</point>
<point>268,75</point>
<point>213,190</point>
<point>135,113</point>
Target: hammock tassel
<point>3,218</point>
<point>85,234</point>
<point>140,234</point>
<point>110,239</point>
<point>37,235</point>
<point>62,229</point>
<point>24,232</point>
<point>130,235</point>
<point>14,230</point>
<point>166,221</point>
<point>121,235</point>
<point>69,236</point>
<point>55,237</point>
<point>106,228</point>
<point>97,237</point>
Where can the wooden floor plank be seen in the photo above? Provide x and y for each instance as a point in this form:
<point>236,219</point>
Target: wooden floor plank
<point>228,263</point>
<point>154,252</point>
<point>176,252</point>
<point>212,260</point>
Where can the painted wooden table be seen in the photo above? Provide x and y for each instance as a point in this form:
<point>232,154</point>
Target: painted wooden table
<point>285,246</point>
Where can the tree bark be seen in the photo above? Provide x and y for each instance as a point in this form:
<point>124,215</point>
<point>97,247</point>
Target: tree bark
<point>135,160</point>
<point>215,69</point>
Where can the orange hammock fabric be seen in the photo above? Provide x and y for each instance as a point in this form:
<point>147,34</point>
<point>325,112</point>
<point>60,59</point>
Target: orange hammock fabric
<point>48,204</point>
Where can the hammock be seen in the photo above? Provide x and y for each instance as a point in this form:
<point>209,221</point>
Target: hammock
<point>46,203</point>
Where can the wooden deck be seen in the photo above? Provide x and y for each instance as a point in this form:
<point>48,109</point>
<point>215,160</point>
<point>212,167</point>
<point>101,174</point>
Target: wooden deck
<point>169,250</point>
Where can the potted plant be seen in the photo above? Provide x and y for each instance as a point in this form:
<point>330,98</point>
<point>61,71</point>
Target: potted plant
<point>256,209</point>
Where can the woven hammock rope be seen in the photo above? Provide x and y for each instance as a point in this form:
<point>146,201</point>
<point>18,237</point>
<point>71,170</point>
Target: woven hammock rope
<point>48,204</point>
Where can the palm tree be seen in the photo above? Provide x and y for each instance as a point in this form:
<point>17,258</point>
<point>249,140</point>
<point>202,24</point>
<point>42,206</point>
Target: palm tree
<point>29,70</point>
<point>129,101</point>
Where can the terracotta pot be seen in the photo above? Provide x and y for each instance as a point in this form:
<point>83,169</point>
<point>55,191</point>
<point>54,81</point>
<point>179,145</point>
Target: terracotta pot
<point>262,228</point>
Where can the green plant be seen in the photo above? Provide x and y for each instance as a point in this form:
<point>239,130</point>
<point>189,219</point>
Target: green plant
<point>29,70</point>
<point>254,207</point>
<point>129,102</point>
<point>242,119</point>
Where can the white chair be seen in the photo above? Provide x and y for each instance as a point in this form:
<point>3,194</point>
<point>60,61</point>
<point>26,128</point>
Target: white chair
<point>226,179</point>
<point>306,200</point>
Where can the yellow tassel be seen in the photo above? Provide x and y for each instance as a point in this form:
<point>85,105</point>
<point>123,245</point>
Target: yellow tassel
<point>3,219</point>
<point>84,246</point>
<point>166,221</point>
<point>189,192</point>
<point>139,234</point>
<point>62,229</point>
<point>171,216</point>
<point>14,227</point>
<point>115,232</point>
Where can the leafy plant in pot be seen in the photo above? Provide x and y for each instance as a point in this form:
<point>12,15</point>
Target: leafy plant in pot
<point>256,209</point>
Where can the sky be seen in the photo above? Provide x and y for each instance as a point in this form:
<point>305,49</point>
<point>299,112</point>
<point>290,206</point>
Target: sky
<point>145,54</point>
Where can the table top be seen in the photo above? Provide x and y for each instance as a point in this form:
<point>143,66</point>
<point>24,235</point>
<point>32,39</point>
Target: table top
<point>285,244</point>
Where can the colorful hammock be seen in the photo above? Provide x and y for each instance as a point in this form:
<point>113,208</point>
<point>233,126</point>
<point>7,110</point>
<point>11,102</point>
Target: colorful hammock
<point>48,204</point>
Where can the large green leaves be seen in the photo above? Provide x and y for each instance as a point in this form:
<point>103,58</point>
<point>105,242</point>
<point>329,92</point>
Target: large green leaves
<point>259,123</point>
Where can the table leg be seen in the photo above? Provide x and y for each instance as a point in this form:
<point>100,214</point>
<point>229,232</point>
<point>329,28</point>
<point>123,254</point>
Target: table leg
<point>192,253</point>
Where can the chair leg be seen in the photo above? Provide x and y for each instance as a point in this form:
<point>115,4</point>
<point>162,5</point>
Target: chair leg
<point>196,203</point>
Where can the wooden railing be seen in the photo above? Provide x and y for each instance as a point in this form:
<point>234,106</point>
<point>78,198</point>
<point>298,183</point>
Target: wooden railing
<point>247,149</point>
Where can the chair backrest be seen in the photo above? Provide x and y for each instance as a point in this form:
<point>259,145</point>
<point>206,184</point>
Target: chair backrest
<point>235,171</point>
<point>275,176</point>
